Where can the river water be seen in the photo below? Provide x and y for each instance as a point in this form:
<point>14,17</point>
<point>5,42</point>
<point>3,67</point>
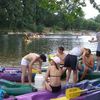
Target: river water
<point>13,47</point>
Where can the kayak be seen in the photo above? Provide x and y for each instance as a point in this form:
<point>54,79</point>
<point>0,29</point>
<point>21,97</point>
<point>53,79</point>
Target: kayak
<point>91,96</point>
<point>18,70</point>
<point>40,95</point>
<point>91,75</point>
<point>13,88</point>
<point>82,84</point>
<point>10,98</point>
<point>46,95</point>
<point>14,77</point>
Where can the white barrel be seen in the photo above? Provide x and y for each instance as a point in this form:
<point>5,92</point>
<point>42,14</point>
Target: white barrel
<point>39,80</point>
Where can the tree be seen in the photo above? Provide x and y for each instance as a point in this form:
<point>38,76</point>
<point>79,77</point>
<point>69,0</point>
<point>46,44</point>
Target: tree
<point>95,5</point>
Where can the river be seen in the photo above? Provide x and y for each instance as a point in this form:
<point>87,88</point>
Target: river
<point>13,47</point>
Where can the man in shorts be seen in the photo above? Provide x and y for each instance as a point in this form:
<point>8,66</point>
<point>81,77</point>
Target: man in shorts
<point>27,63</point>
<point>70,62</point>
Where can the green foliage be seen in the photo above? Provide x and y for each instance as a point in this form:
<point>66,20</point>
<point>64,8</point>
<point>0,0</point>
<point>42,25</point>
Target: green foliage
<point>56,28</point>
<point>97,19</point>
<point>40,28</point>
<point>16,15</point>
<point>95,5</point>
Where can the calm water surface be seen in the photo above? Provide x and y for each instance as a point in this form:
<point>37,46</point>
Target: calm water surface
<point>13,47</point>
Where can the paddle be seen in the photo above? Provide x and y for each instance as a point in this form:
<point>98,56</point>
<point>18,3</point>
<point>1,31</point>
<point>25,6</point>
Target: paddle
<point>75,92</point>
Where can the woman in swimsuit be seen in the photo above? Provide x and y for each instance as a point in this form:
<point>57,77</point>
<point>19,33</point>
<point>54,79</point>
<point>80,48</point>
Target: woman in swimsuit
<point>53,76</point>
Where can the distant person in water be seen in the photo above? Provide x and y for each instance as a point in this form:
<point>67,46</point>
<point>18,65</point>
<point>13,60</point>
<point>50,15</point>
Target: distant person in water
<point>61,54</point>
<point>98,49</point>
<point>27,63</point>
<point>70,62</point>
<point>87,63</point>
<point>53,76</point>
<point>27,39</point>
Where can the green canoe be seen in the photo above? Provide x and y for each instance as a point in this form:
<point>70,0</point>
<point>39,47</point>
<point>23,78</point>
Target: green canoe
<point>90,76</point>
<point>13,88</point>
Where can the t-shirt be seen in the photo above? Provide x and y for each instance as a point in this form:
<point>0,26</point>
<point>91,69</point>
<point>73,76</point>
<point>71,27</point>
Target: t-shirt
<point>76,51</point>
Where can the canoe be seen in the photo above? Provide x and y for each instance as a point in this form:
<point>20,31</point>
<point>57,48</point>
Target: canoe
<point>95,82</point>
<point>90,76</point>
<point>18,70</point>
<point>13,88</point>
<point>15,77</point>
<point>46,95</point>
<point>91,96</point>
<point>87,84</point>
<point>82,84</point>
<point>10,98</point>
<point>40,95</point>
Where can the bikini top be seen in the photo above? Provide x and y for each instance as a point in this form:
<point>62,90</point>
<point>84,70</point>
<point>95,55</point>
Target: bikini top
<point>54,76</point>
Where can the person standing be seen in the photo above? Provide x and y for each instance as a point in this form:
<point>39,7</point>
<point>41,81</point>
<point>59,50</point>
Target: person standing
<point>98,49</point>
<point>70,62</point>
<point>27,63</point>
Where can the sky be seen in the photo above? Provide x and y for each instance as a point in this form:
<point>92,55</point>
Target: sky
<point>89,11</point>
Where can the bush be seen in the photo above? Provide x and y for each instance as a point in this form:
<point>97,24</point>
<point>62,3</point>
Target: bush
<point>40,28</point>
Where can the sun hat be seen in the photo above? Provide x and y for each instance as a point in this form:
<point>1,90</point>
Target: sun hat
<point>56,60</point>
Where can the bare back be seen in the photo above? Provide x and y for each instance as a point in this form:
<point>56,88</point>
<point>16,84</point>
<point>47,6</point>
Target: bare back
<point>31,56</point>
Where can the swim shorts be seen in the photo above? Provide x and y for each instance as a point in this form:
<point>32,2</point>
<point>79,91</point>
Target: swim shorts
<point>71,61</point>
<point>24,62</point>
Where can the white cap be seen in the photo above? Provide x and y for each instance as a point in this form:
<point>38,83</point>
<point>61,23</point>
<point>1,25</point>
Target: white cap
<point>56,60</point>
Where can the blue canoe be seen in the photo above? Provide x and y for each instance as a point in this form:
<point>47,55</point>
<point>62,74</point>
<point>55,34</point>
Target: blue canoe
<point>86,85</point>
<point>92,96</point>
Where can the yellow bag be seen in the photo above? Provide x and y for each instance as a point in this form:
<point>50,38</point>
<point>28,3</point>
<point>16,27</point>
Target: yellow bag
<point>35,71</point>
<point>73,92</point>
